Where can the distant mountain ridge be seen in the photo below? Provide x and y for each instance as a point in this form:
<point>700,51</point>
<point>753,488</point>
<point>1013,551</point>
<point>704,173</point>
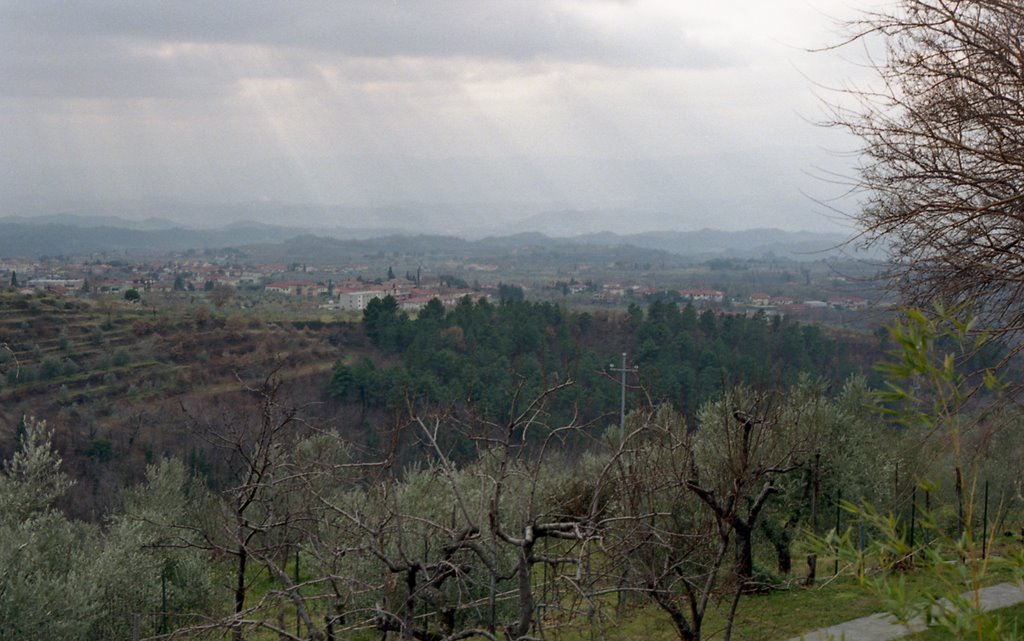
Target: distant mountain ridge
<point>67,235</point>
<point>572,223</point>
<point>30,241</point>
<point>709,242</point>
<point>152,223</point>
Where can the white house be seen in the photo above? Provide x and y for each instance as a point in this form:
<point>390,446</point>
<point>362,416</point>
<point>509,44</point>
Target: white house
<point>358,300</point>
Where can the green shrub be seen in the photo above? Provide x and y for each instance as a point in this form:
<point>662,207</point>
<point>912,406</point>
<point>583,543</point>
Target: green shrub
<point>70,367</point>
<point>50,367</point>
<point>121,357</point>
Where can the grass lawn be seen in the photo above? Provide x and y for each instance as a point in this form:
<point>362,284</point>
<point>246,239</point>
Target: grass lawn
<point>782,614</point>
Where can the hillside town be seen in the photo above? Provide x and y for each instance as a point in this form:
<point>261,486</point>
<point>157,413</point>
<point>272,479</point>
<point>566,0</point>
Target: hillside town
<point>350,287</point>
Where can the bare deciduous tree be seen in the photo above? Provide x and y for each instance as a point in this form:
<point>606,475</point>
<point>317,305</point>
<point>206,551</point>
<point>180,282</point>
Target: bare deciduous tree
<point>686,497</point>
<point>263,503</point>
<point>942,165</point>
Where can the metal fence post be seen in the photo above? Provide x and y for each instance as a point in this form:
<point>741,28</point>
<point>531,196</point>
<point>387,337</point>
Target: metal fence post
<point>984,525</point>
<point>860,531</point>
<point>913,517</point>
<point>839,503</point>
<point>163,600</point>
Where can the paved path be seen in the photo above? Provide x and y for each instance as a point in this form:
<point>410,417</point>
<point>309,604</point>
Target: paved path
<point>883,627</point>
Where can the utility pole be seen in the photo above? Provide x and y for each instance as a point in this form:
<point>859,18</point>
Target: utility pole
<point>622,404</point>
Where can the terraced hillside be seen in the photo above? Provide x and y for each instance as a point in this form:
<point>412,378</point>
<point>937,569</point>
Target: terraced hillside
<point>114,380</point>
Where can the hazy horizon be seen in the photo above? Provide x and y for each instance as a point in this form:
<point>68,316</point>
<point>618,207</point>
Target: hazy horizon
<point>672,111</point>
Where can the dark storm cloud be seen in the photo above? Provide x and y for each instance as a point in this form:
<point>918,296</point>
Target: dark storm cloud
<point>110,48</point>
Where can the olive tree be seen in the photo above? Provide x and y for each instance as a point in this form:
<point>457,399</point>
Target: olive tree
<point>687,496</point>
<point>671,546</point>
<point>486,549</point>
<point>65,579</point>
<point>44,592</point>
<point>849,453</point>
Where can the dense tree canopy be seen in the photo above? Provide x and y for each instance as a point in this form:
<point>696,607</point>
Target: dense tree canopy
<point>478,355</point>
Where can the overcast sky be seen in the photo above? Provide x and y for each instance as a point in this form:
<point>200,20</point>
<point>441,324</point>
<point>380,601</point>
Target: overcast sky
<point>699,108</point>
